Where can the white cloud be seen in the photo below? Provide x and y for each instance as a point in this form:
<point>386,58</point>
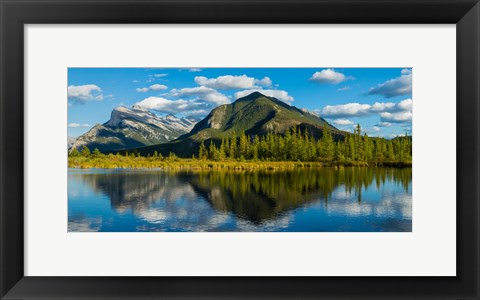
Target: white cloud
<point>384,124</point>
<point>167,106</point>
<point>231,82</point>
<point>135,81</point>
<point>81,94</point>
<point>345,110</point>
<point>266,82</point>
<point>394,87</point>
<point>154,87</point>
<point>153,77</point>
<point>198,112</point>
<point>329,76</point>
<point>196,101</point>
<point>342,122</point>
<point>406,104</point>
<point>279,94</point>
<point>158,87</point>
<point>226,82</point>
<point>345,88</point>
<point>358,110</point>
<point>379,106</point>
<point>77,125</point>
<point>202,93</point>
<point>398,117</point>
<point>182,106</point>
<point>194,70</point>
<point>406,71</point>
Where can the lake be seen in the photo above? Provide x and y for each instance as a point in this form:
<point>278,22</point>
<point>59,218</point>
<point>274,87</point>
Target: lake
<point>350,199</point>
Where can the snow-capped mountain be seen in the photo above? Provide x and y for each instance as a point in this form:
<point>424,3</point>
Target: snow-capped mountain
<point>134,127</point>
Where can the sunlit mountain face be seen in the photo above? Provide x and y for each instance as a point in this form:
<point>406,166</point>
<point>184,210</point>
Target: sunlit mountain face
<point>133,127</point>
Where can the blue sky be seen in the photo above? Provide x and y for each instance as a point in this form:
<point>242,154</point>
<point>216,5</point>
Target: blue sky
<point>379,99</point>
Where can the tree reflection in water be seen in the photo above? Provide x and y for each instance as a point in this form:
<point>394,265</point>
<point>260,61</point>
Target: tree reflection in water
<point>257,197</point>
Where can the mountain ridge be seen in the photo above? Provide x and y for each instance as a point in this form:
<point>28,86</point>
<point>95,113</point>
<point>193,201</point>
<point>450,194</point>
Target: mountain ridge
<point>254,114</point>
<point>132,128</point>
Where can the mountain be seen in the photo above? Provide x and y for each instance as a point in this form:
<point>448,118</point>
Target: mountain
<point>134,127</point>
<point>70,141</point>
<point>255,114</point>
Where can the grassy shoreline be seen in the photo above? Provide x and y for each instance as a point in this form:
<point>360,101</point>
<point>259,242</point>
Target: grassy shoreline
<point>115,162</point>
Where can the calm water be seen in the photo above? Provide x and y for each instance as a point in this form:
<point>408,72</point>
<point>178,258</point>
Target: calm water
<point>326,199</point>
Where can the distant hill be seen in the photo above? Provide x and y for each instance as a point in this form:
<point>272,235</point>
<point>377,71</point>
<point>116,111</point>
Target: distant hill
<point>132,128</point>
<point>255,114</point>
<point>401,137</point>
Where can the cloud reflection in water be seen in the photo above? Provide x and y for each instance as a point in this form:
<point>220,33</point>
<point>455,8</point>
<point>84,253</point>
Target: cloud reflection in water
<point>326,199</point>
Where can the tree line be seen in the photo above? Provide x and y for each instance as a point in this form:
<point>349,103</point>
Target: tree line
<point>294,145</point>
<point>298,145</point>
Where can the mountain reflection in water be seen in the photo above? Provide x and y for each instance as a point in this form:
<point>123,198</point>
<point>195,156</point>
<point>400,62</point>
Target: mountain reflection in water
<point>303,199</point>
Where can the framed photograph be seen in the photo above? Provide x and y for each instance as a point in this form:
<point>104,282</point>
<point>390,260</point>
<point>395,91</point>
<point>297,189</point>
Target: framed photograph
<point>226,149</point>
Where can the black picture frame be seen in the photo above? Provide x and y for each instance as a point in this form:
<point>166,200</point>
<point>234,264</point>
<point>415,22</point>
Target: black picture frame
<point>15,13</point>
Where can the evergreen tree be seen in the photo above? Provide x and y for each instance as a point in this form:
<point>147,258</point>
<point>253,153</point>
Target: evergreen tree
<point>74,153</point>
<point>390,156</point>
<point>379,152</point>
<point>85,152</point>
<point>358,130</point>
<point>96,152</point>
<point>340,152</point>
<point>350,147</point>
<point>368,147</point>
<point>233,147</point>
<point>263,148</point>
<point>294,145</point>
<point>213,152</point>
<point>202,152</point>
<point>255,146</point>
<point>270,146</point>
<point>280,149</point>
<point>288,145</point>
<point>313,149</point>
<point>243,146</point>
<point>221,151</point>
<point>227,148</point>
<point>358,144</point>
<point>172,156</point>
<point>383,150</point>
<point>328,147</point>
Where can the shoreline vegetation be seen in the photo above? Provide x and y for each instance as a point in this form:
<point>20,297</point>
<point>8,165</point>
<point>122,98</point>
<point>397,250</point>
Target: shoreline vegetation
<point>296,148</point>
<point>112,162</point>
